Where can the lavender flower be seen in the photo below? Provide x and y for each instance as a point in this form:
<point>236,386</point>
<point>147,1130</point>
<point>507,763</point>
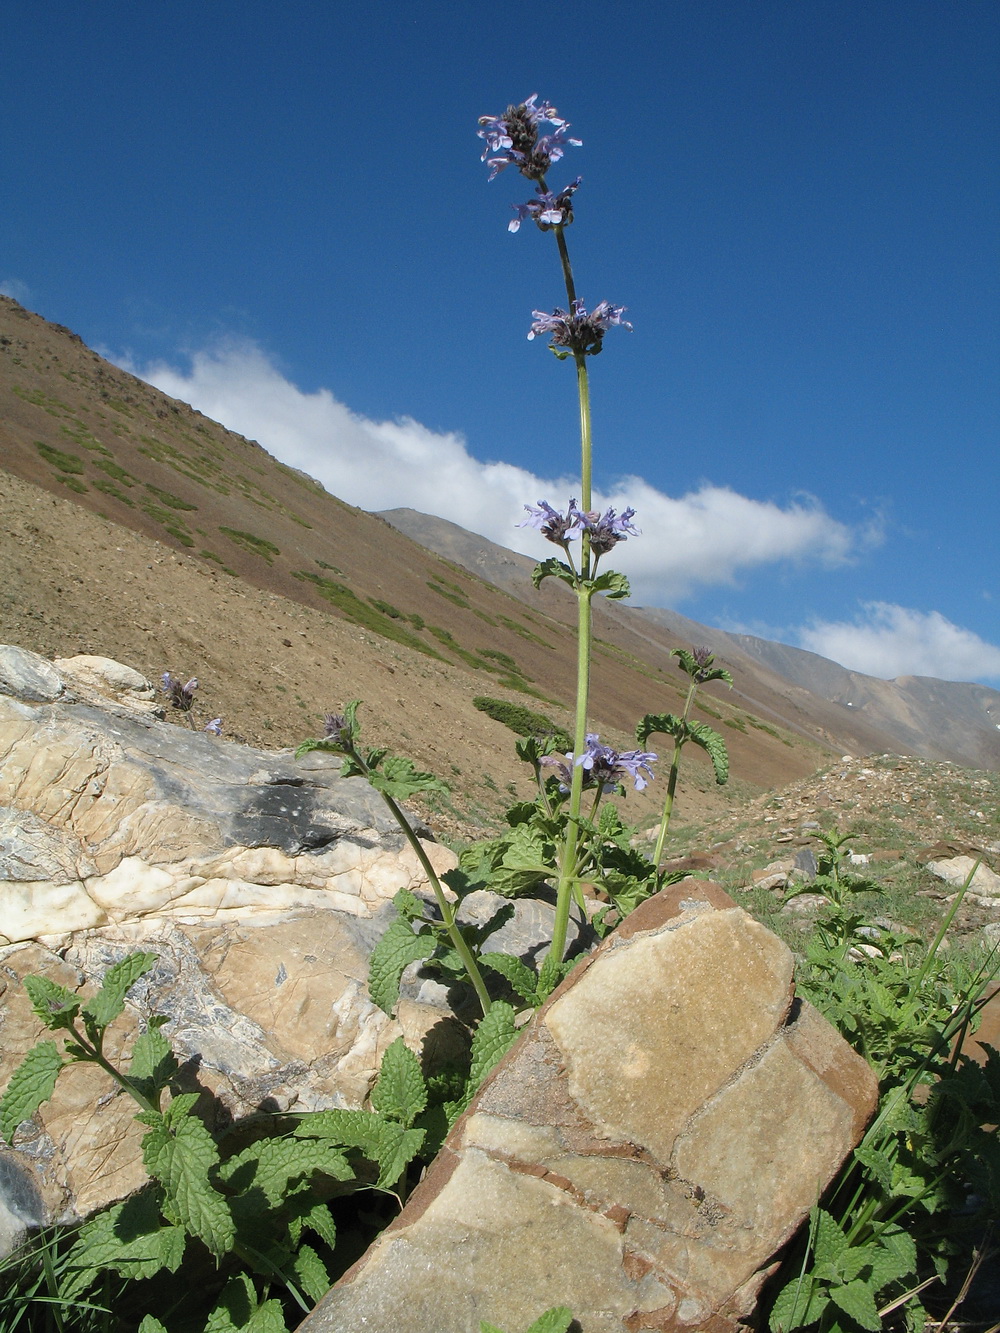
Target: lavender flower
<point>514,138</point>
<point>579,332</point>
<point>608,529</point>
<point>336,728</point>
<point>556,527</point>
<point>180,696</point>
<point>604,767</point>
<point>214,728</point>
<point>548,210</point>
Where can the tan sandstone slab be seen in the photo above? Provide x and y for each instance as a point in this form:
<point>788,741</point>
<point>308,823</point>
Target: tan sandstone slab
<point>659,1132</point>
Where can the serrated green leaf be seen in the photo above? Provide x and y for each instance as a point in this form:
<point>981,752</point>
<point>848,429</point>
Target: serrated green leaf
<point>491,1041</point>
<point>150,1324</point>
<point>829,1241</point>
<point>234,1307</point>
<point>400,779</point>
<point>714,746</point>
<point>553,569</point>
<point>314,1218</point>
<point>857,1300</point>
<point>131,1239</point>
<point>703,671</point>
<point>396,1149</point>
<point>109,1001</point>
<point>30,1084</point>
<point>556,1320</point>
<point>181,1158</point>
<point>552,973</point>
<point>408,905</point>
<point>55,1005</point>
<point>612,585</point>
<point>311,1272</point>
<point>397,948</point>
<point>664,724</point>
<point>351,1129</point>
<point>272,1165</point>
<point>520,976</point>
<point>800,1302</point>
<point>153,1063</point>
<point>268,1318</point>
<point>399,1092</point>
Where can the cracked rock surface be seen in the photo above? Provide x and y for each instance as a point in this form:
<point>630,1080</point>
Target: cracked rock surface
<point>641,1154</point>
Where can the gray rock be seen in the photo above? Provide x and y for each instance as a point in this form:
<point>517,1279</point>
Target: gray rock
<point>26,675</point>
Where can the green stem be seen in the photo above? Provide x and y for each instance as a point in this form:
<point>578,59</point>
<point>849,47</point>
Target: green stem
<point>668,805</point>
<point>97,1056</point>
<point>448,912</point>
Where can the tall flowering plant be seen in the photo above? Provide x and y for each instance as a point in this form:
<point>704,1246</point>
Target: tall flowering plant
<point>565,836</point>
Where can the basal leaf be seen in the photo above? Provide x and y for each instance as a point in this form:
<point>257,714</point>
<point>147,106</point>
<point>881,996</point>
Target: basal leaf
<point>30,1084</point>
<point>858,1300</point>
<point>493,1038</point>
<point>150,1324</point>
<point>714,746</point>
<point>800,1302</point>
<point>612,585</point>
<point>234,1307</point>
<point>109,1001</point>
<point>517,973</point>
<point>131,1239</point>
<point>351,1129</point>
<point>272,1165</point>
<point>153,1062</point>
<point>311,1272</point>
<point>399,779</point>
<point>552,973</point>
<point>408,905</point>
<point>552,569</point>
<point>397,1148</point>
<point>399,1092</point>
<point>268,1318</point>
<point>828,1240</point>
<point>55,1005</point>
<point>397,948</point>
<point>181,1158</point>
<point>556,1320</point>
<point>315,1217</point>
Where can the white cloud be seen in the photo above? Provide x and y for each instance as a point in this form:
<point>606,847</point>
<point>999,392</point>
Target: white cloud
<point>889,641</point>
<point>709,536</point>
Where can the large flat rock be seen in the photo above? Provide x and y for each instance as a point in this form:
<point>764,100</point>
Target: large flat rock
<point>659,1132</point>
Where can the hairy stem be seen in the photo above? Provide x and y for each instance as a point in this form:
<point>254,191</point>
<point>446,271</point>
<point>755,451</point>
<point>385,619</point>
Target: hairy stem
<point>668,805</point>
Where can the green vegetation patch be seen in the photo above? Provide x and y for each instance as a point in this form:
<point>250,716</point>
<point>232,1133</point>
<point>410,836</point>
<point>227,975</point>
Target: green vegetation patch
<point>54,406</point>
<point>387,609</point>
<point>520,719</point>
<point>210,555</point>
<point>523,631</point>
<point>168,497</point>
<point>109,488</point>
<point>363,613</point>
<point>456,597</point>
<point>504,659</point>
<point>255,545</point>
<point>57,459</point>
<point>114,471</point>
<point>74,483</point>
<point>323,565</point>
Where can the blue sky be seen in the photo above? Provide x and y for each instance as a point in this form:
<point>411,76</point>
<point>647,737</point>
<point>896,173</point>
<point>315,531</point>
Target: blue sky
<point>278,213</point>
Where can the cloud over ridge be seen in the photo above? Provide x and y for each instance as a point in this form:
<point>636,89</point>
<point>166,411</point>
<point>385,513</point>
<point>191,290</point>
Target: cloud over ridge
<point>709,536</point>
<point>887,641</point>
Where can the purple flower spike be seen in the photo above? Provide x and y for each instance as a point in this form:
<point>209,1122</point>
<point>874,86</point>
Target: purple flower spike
<point>514,138</point>
<point>605,768</point>
<point>548,210</point>
<point>336,729</point>
<point>578,332</point>
<point>555,527</point>
<point>214,728</point>
<point>180,696</point>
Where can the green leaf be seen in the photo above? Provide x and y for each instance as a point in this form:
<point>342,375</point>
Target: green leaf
<point>556,1320</point>
<point>858,1300</point>
<point>397,948</point>
<point>397,1148</point>
<point>408,905</point>
<point>552,973</point>
<point>493,1038</point>
<point>235,1306</point>
<point>553,569</point>
<point>272,1165</point>
<point>55,1005</point>
<point>311,1272</point>
<point>703,671</point>
<point>399,779</point>
<point>612,585</point>
<point>314,1218</point>
<point>800,1302</point>
<point>109,1001</point>
<point>829,1241</point>
<point>153,1062</point>
<point>131,1239</point>
<point>517,973</point>
<point>714,746</point>
<point>665,724</point>
<point>150,1324</point>
<point>352,1129</point>
<point>399,1092</point>
<point>181,1155</point>
<point>30,1084</point>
